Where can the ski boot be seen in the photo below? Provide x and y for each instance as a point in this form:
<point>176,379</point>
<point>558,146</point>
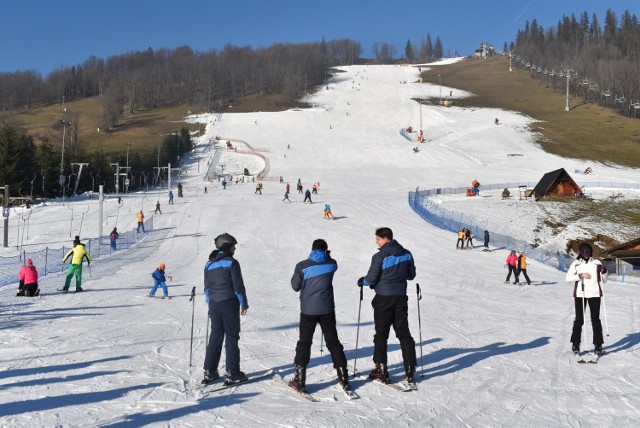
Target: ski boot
<point>598,350</point>
<point>79,289</point>
<point>299,381</point>
<point>575,348</point>
<point>210,376</point>
<point>410,372</point>
<point>343,378</point>
<point>380,373</point>
<point>234,377</point>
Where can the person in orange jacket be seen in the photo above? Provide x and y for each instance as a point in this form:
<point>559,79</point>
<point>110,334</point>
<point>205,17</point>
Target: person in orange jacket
<point>461,236</point>
<point>522,268</point>
<point>141,221</point>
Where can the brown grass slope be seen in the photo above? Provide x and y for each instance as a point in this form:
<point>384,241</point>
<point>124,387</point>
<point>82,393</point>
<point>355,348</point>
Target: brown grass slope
<point>587,131</point>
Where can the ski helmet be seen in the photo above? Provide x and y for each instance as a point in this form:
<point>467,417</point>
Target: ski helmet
<point>585,250</point>
<point>225,241</point>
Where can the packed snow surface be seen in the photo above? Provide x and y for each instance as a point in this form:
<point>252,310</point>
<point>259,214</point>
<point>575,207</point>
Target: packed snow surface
<point>490,354</point>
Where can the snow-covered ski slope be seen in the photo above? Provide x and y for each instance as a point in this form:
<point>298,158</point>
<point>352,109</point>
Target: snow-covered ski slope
<point>492,354</point>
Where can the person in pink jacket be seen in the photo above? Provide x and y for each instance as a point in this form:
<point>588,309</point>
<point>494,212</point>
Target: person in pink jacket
<point>512,261</point>
<point>28,277</point>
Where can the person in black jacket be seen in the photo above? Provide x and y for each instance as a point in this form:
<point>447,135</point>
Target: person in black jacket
<point>226,296</point>
<point>388,274</point>
<point>313,278</point>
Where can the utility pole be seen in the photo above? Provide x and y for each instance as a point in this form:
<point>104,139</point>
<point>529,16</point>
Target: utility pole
<point>126,180</point>
<point>62,177</point>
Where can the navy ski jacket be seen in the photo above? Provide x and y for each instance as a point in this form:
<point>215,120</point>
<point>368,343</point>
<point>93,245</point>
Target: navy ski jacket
<point>223,280</point>
<point>390,270</point>
<point>313,278</point>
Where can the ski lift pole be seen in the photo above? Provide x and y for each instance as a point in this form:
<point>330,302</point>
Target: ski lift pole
<point>193,309</point>
<point>418,298</point>
<point>355,361</point>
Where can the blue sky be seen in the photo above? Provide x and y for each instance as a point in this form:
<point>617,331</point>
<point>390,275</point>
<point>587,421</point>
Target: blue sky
<point>44,35</point>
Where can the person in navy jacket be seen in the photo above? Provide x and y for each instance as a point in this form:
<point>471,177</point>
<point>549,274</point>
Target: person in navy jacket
<point>388,274</point>
<point>313,279</point>
<point>226,296</point>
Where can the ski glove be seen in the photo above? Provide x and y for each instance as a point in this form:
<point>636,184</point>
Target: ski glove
<point>361,281</point>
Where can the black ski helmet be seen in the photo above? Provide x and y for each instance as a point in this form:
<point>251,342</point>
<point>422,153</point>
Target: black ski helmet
<point>586,250</point>
<point>224,241</point>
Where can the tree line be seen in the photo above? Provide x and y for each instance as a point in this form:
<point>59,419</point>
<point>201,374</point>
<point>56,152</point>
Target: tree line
<point>603,63</point>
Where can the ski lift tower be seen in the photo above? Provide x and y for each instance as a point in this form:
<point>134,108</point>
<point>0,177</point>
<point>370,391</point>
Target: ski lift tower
<point>81,165</point>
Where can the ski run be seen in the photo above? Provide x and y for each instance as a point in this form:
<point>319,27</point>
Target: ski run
<point>488,354</point>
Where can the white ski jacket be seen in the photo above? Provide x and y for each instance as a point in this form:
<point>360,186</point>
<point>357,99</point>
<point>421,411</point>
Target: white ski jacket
<point>592,286</point>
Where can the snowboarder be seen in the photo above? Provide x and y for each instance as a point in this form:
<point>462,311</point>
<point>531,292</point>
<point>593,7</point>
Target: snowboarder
<point>307,196</point>
<point>388,274</point>
<point>286,197</point>
<point>313,278</point>
<point>170,197</point>
<point>79,252</point>
<point>587,275</point>
<point>486,239</point>
<point>327,212</point>
<point>158,210</point>
<point>226,296</point>
<point>141,221</point>
<point>159,280</point>
<point>112,237</point>
<point>522,268</point>
<point>28,277</point>
<point>460,240</point>
<point>510,263</point>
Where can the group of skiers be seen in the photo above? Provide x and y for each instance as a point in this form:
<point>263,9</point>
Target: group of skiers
<point>464,235</point>
<point>226,296</point>
<point>517,264</point>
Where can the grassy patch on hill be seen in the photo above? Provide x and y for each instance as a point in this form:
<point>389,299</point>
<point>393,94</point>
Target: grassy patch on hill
<point>587,131</point>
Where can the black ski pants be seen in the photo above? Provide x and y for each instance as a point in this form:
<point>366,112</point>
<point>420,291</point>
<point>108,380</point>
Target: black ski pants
<point>460,242</point>
<point>523,272</point>
<point>512,269</point>
<point>392,311</point>
<point>596,325</point>
<point>328,326</point>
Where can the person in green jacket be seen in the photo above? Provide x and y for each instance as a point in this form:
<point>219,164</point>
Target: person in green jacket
<point>79,252</point>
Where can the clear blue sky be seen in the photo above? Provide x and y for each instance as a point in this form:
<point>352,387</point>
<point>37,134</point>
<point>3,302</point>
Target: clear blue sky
<point>43,35</point>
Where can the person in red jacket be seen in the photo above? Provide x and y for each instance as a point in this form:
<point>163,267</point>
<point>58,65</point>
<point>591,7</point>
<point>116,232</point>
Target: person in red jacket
<point>512,260</point>
<point>28,277</point>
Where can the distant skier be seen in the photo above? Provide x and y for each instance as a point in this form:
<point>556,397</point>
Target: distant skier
<point>170,197</point>
<point>258,189</point>
<point>158,210</point>
<point>511,262</point>
<point>28,277</point>
<point>313,279</point>
<point>141,221</point>
<point>469,235</point>
<point>180,195</point>
<point>79,252</point>
<point>112,237</point>
<point>288,187</point>
<point>299,187</point>
<point>587,275</point>
<point>460,240</point>
<point>159,280</point>
<point>388,274</point>
<point>314,189</point>
<point>286,197</point>
<point>307,196</point>
<point>226,296</point>
<point>486,239</point>
<point>521,268</point>
<point>327,212</point>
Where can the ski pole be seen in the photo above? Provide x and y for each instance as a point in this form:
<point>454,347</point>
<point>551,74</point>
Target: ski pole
<point>321,344</point>
<point>193,309</point>
<point>206,339</point>
<point>355,361</point>
<point>584,315</point>
<point>418,298</point>
<point>604,306</point>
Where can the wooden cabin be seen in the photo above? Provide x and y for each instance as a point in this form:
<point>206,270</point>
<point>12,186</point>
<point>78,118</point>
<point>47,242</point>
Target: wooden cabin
<point>556,183</point>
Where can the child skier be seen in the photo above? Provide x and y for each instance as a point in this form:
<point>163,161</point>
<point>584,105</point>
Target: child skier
<point>28,277</point>
<point>159,280</point>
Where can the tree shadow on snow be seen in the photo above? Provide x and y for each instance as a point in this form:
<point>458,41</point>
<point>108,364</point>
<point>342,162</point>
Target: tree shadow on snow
<point>467,357</point>
<point>24,318</point>
<point>57,368</point>
<point>50,380</point>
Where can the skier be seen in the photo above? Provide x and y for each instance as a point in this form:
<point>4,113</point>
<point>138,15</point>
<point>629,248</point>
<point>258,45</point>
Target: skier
<point>511,264</point>
<point>141,222</point>
<point>112,237</point>
<point>307,196</point>
<point>388,274</point>
<point>205,190</point>
<point>313,278</point>
<point>314,189</point>
<point>159,280</point>
<point>299,187</point>
<point>327,212</point>
<point>224,184</point>
<point>158,208</point>
<point>286,196</point>
<point>587,274</point>
<point>79,252</point>
<point>28,277</point>
<point>226,296</point>
<point>180,195</point>
<point>486,240</point>
<point>460,240</point>
<point>522,268</point>
<point>288,187</point>
<point>258,189</point>
<point>469,236</point>
<point>170,197</point>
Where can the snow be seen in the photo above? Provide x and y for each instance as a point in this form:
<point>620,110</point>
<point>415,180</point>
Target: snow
<point>491,354</point>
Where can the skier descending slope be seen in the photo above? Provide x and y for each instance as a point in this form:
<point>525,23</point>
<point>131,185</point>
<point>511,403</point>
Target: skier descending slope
<point>313,278</point>
<point>226,296</point>
<point>587,274</point>
<point>388,274</point>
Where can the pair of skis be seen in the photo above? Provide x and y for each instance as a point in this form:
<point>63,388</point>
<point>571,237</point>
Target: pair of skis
<point>581,360</point>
